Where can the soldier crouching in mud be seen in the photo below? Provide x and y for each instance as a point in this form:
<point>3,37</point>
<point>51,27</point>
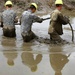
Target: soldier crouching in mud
<point>8,20</point>
<point>27,19</point>
<point>57,19</point>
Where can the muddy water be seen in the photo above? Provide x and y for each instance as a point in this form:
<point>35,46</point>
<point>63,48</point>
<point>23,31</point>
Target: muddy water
<point>34,58</point>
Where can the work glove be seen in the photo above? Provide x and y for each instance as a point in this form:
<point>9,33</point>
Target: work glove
<point>41,20</point>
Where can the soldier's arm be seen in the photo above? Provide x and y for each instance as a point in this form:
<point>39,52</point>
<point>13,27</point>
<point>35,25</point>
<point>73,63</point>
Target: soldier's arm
<point>16,18</point>
<point>37,19</point>
<point>20,20</point>
<point>1,21</point>
<point>63,19</point>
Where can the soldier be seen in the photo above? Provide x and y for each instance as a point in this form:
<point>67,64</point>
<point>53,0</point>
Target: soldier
<point>8,20</point>
<point>57,19</point>
<point>27,19</point>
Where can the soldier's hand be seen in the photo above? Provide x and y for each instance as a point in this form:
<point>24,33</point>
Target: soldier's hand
<point>41,20</point>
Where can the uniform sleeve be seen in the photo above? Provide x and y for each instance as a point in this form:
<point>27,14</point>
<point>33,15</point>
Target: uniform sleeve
<point>20,20</point>
<point>36,19</point>
<point>54,16</point>
<point>16,18</point>
<point>63,19</point>
<point>1,20</point>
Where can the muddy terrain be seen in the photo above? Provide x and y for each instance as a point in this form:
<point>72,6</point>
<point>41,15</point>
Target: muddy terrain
<point>38,58</point>
<point>33,58</point>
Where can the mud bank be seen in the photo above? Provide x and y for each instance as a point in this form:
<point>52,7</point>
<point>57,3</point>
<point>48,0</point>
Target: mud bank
<point>45,6</point>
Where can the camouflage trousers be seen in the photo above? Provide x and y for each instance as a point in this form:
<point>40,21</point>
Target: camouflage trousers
<point>9,32</point>
<point>55,37</point>
<point>27,37</point>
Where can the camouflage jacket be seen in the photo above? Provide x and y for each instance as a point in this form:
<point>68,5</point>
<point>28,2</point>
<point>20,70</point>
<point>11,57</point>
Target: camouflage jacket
<point>27,19</point>
<point>8,18</point>
<point>57,20</point>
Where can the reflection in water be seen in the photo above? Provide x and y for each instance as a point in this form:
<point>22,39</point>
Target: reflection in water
<point>9,52</point>
<point>8,42</point>
<point>11,55</point>
<point>58,60</point>
<point>29,60</point>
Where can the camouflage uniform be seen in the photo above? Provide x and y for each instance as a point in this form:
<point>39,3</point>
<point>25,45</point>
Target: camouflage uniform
<point>27,19</point>
<point>55,28</point>
<point>8,18</point>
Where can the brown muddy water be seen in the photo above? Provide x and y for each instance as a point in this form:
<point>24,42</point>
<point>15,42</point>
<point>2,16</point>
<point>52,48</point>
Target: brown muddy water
<point>34,58</point>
